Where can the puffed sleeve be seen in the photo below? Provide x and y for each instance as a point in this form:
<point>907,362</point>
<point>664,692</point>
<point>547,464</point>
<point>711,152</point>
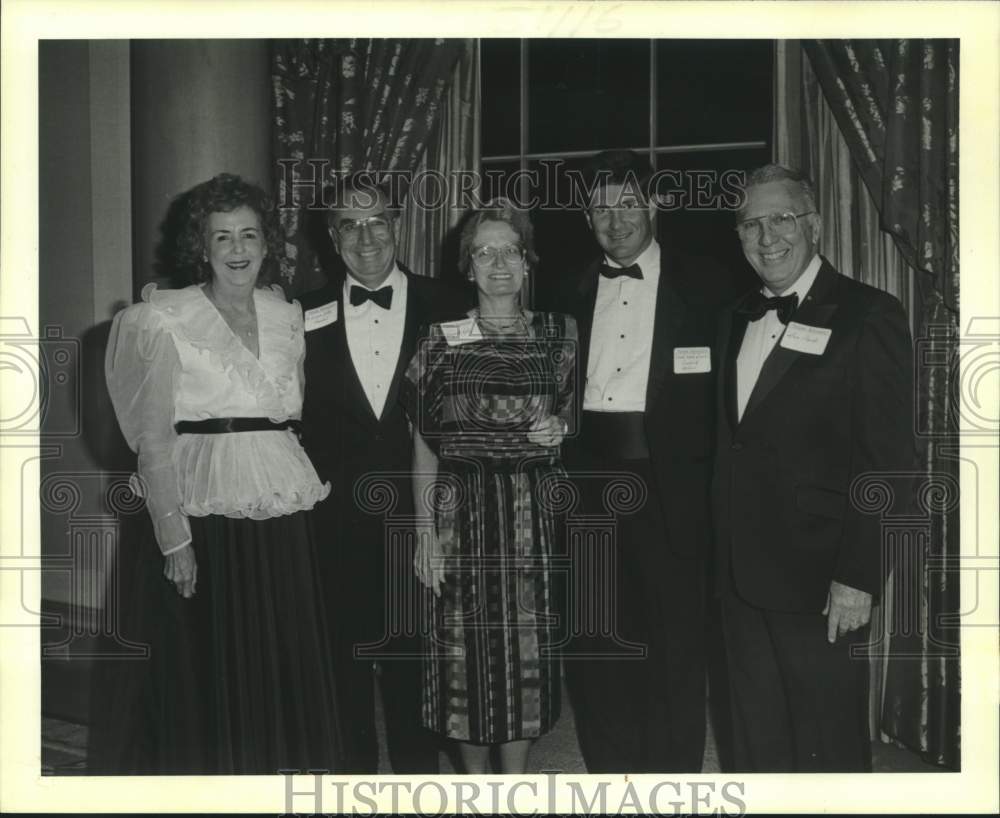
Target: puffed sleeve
<point>566,404</point>
<point>141,368</point>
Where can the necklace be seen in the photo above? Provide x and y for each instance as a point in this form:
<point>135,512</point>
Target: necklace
<point>242,323</point>
<point>518,320</point>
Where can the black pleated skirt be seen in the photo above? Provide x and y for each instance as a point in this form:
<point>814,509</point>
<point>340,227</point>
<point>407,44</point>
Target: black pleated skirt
<point>239,678</point>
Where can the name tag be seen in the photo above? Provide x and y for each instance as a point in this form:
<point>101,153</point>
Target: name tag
<point>461,332</point>
<point>691,360</point>
<point>320,316</point>
<point>804,338</point>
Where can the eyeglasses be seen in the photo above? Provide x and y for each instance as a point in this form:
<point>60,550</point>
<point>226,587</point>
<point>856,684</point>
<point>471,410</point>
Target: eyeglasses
<point>781,224</point>
<point>350,229</point>
<point>509,254</point>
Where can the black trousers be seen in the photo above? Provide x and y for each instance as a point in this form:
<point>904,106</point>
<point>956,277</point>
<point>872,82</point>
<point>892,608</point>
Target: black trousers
<point>413,749</point>
<point>799,703</point>
<point>373,610</point>
<point>637,683</point>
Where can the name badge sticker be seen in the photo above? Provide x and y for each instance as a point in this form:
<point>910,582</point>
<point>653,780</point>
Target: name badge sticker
<point>804,338</point>
<point>692,360</point>
<point>320,316</point>
<point>461,332</point>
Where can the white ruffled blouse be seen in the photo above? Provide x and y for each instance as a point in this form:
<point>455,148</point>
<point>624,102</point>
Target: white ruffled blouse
<point>173,357</point>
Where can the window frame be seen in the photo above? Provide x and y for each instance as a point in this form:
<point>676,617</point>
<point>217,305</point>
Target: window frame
<point>651,150</point>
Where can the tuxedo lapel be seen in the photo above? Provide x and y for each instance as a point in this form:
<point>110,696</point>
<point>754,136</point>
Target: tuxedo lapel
<point>587,298</point>
<point>816,310</point>
<point>353,395</point>
<point>415,310</point>
<point>775,366</point>
<point>666,322</point>
<point>734,329</point>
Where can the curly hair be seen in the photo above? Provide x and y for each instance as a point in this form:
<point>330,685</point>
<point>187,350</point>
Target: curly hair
<point>497,210</point>
<point>223,194</point>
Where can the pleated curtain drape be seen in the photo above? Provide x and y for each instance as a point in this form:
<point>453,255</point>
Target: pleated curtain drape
<point>446,180</point>
<point>346,105</point>
<point>875,123</point>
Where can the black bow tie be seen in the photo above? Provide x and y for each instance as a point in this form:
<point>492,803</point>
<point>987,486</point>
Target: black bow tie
<point>382,297</point>
<point>756,306</point>
<point>632,271</point>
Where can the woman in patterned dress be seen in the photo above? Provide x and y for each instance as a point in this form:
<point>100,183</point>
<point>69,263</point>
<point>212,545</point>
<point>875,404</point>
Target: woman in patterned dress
<point>491,398</point>
<point>206,384</point>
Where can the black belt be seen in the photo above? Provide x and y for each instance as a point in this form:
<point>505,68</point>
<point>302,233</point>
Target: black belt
<point>615,435</point>
<point>220,426</point>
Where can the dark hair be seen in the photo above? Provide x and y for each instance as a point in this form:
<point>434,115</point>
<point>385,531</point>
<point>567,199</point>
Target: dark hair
<point>497,210</point>
<point>364,183</point>
<point>619,167</point>
<point>781,173</point>
<point>223,194</point>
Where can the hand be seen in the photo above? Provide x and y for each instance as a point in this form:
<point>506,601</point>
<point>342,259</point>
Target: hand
<point>847,609</point>
<point>548,432</point>
<point>427,560</point>
<point>182,570</point>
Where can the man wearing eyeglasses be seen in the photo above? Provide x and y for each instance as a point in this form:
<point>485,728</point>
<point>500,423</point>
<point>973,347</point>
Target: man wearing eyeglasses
<point>642,462</point>
<point>815,391</point>
<point>361,332</point>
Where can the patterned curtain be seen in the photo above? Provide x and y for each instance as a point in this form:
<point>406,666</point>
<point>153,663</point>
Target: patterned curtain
<point>807,136</point>
<point>896,103</point>
<point>852,237</point>
<point>428,242</point>
<point>346,105</point>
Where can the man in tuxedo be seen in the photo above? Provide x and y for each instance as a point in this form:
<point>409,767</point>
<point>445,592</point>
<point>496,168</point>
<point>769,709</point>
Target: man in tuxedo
<point>361,333</point>
<point>646,316</point>
<point>815,391</point>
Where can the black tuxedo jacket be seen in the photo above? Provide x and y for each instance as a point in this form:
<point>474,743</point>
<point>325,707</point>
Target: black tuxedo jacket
<point>679,415</point>
<point>786,525</point>
<point>341,434</point>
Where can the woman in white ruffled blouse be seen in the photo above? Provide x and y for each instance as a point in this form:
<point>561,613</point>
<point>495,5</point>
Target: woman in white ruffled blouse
<point>207,386</point>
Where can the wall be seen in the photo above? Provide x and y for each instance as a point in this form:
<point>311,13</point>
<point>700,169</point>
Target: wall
<point>199,108</point>
<point>123,128</point>
<point>84,274</point>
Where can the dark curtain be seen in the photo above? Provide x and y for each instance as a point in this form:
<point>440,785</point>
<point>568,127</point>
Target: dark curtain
<point>428,240</point>
<point>347,105</point>
<point>896,102</point>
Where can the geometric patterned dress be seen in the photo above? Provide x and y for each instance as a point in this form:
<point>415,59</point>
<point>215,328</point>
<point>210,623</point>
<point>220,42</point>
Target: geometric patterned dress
<point>491,663</point>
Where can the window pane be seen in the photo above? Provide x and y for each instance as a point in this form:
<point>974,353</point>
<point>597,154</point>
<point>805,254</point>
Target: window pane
<point>501,74</point>
<point>562,238</point>
<point>501,179</point>
<point>696,219</point>
<point>699,218</point>
<point>713,91</point>
<point>588,94</point>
